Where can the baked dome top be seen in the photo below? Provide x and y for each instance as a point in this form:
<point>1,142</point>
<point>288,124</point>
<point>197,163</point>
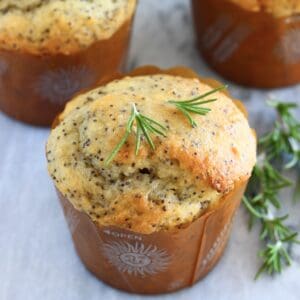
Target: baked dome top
<point>60,26</point>
<point>279,8</point>
<point>189,171</point>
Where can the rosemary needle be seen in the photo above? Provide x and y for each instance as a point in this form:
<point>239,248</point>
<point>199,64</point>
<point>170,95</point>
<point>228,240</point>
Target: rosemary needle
<point>194,105</point>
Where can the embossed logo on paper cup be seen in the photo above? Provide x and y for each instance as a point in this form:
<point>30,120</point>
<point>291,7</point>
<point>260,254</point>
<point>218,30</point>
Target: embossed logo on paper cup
<point>216,31</point>
<point>217,246</point>
<point>136,259</point>
<point>231,42</point>
<point>288,47</point>
<point>224,37</point>
<point>60,85</point>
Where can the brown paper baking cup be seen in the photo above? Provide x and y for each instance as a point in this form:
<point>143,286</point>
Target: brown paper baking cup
<point>34,89</point>
<point>163,261</point>
<point>251,48</point>
<point>160,262</point>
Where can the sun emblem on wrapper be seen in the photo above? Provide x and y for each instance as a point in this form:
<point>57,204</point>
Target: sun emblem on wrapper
<point>60,85</point>
<point>287,49</point>
<point>136,259</point>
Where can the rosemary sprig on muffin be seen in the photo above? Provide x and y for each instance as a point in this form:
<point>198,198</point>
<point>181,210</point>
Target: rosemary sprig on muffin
<point>279,150</point>
<point>194,105</point>
<point>144,127</point>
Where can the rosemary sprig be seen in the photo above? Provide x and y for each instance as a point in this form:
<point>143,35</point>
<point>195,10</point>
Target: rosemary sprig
<point>285,137</point>
<point>144,127</point>
<point>267,182</point>
<point>194,105</point>
<point>275,256</point>
<point>278,237</point>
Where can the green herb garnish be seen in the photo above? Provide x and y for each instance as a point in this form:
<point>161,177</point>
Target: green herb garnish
<point>278,150</point>
<point>195,105</point>
<point>144,127</point>
<point>285,137</point>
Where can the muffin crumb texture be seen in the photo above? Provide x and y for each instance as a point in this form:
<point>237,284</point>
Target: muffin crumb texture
<point>187,174</point>
<point>60,26</point>
<point>278,8</point>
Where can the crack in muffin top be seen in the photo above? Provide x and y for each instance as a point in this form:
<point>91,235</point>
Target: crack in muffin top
<point>187,174</point>
<point>60,26</point>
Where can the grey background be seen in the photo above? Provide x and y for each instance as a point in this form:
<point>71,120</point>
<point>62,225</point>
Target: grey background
<point>37,258</point>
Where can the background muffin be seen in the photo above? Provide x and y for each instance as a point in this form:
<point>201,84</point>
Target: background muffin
<point>53,49</point>
<point>55,26</point>
<point>254,43</point>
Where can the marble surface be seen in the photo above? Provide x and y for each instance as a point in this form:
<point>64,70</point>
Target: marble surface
<point>37,258</point>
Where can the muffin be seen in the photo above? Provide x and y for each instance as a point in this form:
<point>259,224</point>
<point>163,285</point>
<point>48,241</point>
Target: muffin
<point>254,43</point>
<point>49,50</point>
<point>157,220</point>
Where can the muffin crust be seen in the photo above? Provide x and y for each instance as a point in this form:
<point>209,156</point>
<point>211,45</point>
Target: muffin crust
<point>188,173</point>
<point>60,26</point>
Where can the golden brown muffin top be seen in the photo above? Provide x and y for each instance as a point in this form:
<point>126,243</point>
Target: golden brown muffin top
<point>278,8</point>
<point>189,171</point>
<point>60,26</point>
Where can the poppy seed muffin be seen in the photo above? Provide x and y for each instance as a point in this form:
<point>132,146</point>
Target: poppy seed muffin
<point>68,44</point>
<point>278,8</point>
<point>189,171</point>
<point>57,26</point>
